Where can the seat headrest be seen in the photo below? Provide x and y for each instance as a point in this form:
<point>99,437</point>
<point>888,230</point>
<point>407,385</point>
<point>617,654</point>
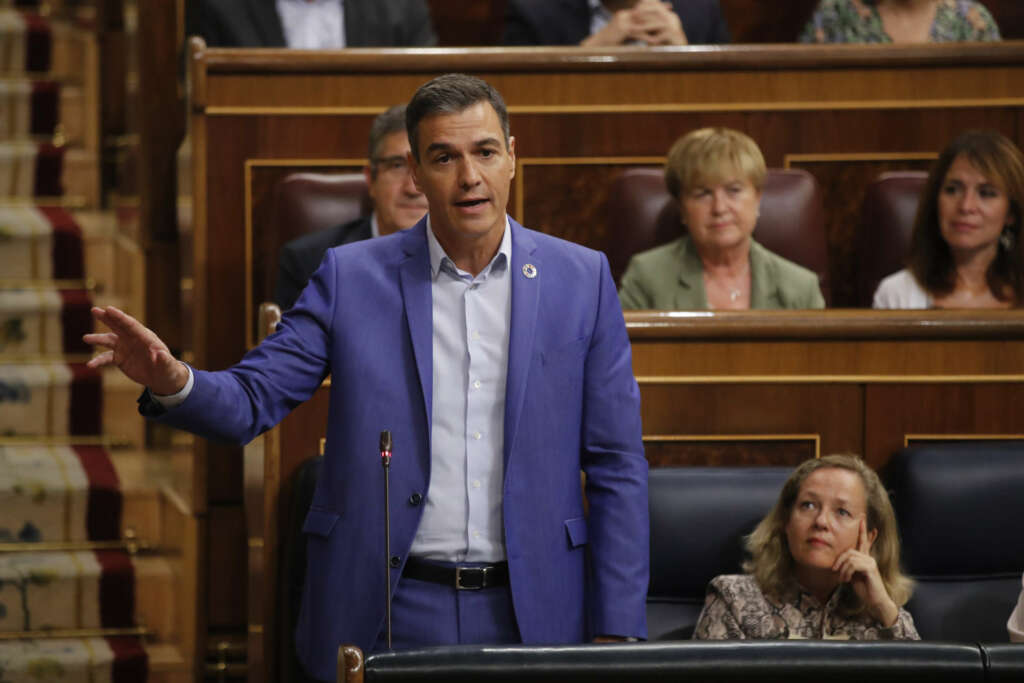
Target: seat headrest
<point>699,516</point>
<point>960,507</point>
<point>887,221</point>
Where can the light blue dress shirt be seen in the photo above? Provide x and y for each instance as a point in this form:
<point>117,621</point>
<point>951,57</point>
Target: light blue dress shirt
<point>462,517</point>
<point>312,24</point>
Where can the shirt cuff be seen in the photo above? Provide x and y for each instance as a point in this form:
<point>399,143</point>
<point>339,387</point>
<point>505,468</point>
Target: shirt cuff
<point>173,400</point>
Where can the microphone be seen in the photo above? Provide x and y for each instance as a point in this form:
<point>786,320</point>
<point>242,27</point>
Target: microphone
<point>385,461</point>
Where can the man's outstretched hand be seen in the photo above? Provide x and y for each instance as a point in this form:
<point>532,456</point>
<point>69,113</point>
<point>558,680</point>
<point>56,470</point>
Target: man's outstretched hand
<point>137,351</point>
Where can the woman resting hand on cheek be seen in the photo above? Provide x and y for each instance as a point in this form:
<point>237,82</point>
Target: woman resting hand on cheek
<point>824,564</point>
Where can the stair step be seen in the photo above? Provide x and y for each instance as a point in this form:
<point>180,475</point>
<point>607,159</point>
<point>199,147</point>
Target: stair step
<point>62,494</point>
<point>38,109</point>
<point>53,399</point>
<point>117,660</point>
<point>44,322</point>
<point>85,590</point>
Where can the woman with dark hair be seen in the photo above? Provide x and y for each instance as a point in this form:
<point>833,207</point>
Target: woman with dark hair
<point>824,563</point>
<point>900,21</point>
<point>965,251</point>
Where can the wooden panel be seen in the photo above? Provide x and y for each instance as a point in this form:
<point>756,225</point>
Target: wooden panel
<point>226,567</point>
<point>895,411</point>
<point>832,411</point>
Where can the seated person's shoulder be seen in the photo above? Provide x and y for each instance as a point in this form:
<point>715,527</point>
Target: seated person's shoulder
<point>656,259</point>
<point>732,586</point>
<point>797,285</point>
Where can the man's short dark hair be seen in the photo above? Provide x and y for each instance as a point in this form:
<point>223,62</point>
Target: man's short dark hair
<point>391,121</point>
<point>451,94</point>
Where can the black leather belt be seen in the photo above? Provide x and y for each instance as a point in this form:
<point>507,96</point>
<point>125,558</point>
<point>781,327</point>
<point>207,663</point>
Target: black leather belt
<point>460,578</point>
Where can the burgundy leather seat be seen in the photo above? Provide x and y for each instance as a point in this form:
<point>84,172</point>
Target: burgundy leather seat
<point>886,223</point>
<point>641,214</point>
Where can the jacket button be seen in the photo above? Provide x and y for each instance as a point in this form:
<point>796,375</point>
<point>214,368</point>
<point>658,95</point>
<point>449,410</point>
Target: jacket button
<point>395,561</point>
<point>415,499</point>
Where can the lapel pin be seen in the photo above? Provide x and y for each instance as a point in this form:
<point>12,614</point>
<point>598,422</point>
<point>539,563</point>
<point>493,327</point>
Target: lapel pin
<point>530,271</point>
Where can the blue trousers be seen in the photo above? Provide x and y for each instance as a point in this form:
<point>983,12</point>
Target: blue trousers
<point>425,614</point>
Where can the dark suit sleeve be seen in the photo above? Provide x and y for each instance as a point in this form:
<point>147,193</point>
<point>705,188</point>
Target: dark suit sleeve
<point>291,277</point>
<point>418,29</point>
<point>703,21</point>
<point>518,28</point>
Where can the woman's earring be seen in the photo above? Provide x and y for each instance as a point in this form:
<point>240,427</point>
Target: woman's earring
<point>1007,239</point>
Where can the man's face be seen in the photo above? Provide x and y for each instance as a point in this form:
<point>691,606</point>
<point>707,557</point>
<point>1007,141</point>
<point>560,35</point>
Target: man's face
<point>397,202</point>
<point>465,171</point>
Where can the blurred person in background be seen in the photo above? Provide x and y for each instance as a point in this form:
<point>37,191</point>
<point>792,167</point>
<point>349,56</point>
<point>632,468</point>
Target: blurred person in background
<point>315,24</point>
<point>716,175</point>
<point>965,250</point>
<point>601,23</point>
<point>900,21</point>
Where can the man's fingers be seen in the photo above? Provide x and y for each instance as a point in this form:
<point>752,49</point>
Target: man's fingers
<point>108,339</point>
<point>105,358</point>
<point>119,321</point>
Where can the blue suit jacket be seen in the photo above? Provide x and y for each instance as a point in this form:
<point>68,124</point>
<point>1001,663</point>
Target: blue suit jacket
<point>571,403</point>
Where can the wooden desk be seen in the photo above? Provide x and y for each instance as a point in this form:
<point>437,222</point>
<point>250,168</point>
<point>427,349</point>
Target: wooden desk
<point>777,387</point>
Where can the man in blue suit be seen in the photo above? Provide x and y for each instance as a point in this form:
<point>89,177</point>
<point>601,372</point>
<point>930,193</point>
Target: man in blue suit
<point>499,360</point>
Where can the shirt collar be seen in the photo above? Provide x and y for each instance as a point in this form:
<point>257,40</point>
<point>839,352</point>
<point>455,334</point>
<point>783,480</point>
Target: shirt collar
<point>374,226</point>
<point>438,257</point>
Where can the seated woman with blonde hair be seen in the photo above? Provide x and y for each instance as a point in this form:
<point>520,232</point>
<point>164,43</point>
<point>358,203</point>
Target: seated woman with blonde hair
<point>966,249</point>
<point>900,21</point>
<point>716,175</point>
<point>824,564</point>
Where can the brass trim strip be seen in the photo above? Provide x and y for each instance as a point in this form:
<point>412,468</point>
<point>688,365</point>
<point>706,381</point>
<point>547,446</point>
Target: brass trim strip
<point>66,202</point>
<point>862,156</point>
<point>255,628</point>
<point>38,440</point>
<point>131,546</point>
<point>88,284</point>
<point>907,438</point>
<point>668,107</point>
<point>829,379</point>
<point>256,542</point>
<point>76,633</point>
<point>589,161</point>
<point>37,358</point>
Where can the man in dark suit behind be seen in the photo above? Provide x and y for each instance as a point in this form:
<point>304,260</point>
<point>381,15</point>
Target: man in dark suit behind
<point>397,205</point>
<point>597,23</point>
<point>282,23</point>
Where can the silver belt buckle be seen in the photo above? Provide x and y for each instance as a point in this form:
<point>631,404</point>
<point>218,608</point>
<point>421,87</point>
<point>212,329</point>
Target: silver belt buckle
<point>458,578</point>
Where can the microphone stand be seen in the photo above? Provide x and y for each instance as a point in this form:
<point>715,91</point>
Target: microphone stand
<point>385,461</point>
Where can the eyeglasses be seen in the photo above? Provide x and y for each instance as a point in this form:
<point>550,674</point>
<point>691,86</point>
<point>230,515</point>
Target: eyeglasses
<point>391,166</point>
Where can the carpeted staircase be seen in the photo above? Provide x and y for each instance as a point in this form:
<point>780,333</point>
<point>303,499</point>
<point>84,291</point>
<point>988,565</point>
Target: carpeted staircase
<point>97,539</point>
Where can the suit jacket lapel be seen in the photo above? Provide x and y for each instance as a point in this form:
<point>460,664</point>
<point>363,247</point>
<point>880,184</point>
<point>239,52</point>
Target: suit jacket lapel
<point>523,323</point>
<point>414,276</point>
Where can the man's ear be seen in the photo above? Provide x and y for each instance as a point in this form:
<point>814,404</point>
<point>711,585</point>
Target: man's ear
<point>414,169</point>
<point>512,154</point>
